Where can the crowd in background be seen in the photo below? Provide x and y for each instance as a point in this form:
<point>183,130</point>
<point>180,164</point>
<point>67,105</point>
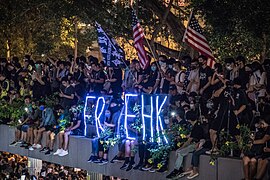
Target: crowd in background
<point>14,167</point>
<point>235,92</point>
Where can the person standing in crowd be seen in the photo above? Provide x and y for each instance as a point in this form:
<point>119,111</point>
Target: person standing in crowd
<point>166,75</point>
<point>180,77</point>
<point>193,78</point>
<point>67,94</point>
<point>129,78</point>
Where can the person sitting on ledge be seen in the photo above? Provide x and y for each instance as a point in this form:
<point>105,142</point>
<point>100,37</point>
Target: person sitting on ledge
<point>76,128</point>
<point>47,123</point>
<point>193,142</point>
<point>57,130</point>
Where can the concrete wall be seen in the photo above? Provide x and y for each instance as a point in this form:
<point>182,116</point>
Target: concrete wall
<point>80,150</point>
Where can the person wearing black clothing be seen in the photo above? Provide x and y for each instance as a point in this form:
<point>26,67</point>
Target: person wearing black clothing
<point>193,143</point>
<point>98,78</point>
<point>166,77</point>
<point>115,78</point>
<point>38,85</point>
<point>67,95</point>
<point>256,151</point>
<point>232,104</point>
<point>242,74</point>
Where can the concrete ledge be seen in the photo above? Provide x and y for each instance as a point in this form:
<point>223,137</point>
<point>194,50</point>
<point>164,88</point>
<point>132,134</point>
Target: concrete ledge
<point>80,150</point>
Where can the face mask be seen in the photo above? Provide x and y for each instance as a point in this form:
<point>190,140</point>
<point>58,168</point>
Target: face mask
<point>175,69</point>
<point>41,108</point>
<point>107,114</point>
<point>229,68</point>
<point>200,63</point>
<point>163,67</point>
<point>170,66</point>
<point>153,68</point>
<point>192,106</point>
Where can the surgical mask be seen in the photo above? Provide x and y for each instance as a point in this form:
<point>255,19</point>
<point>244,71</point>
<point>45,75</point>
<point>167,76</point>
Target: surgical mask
<point>229,68</point>
<point>153,68</point>
<point>170,66</point>
<point>41,108</point>
<point>192,106</point>
<point>175,69</point>
<point>107,114</point>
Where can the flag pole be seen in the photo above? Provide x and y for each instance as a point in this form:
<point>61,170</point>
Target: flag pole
<point>151,50</point>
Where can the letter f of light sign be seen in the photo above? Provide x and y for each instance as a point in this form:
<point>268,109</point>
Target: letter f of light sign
<point>159,126</point>
<point>99,109</point>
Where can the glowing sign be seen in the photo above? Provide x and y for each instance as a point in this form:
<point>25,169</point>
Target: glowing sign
<point>151,114</point>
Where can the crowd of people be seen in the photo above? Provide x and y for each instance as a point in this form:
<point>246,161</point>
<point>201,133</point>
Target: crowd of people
<point>14,167</point>
<point>234,93</point>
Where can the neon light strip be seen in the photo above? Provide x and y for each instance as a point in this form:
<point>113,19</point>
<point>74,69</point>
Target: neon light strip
<point>147,116</point>
<point>159,119</point>
<point>84,111</point>
<point>128,115</point>
<point>97,117</point>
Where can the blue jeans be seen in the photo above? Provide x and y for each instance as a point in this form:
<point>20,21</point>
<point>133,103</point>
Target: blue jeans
<point>196,157</point>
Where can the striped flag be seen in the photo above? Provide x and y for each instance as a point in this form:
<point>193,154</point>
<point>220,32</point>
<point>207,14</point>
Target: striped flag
<point>194,37</point>
<point>138,37</point>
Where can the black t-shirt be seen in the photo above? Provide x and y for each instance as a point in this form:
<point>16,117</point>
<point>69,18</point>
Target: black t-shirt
<point>240,98</point>
<point>75,119</point>
<point>116,86</point>
<point>244,78</point>
<point>98,76</point>
<point>38,89</point>
<point>66,103</point>
<point>204,74</point>
<point>197,132</point>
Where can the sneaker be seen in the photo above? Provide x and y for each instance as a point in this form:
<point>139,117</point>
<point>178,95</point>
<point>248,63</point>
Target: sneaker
<point>14,143</point>
<point>125,166</point>
<point>162,169</point>
<point>44,149</point>
<point>115,159</point>
<point>48,152</point>
<point>58,152</point>
<point>97,160</point>
<point>34,146</point>
<point>92,159</point>
<point>138,166</point>
<point>187,172</point>
<point>130,166</point>
<point>147,167</point>
<point>38,146</point>
<point>103,161</point>
<point>153,169</point>
<point>20,142</point>
<point>174,174</point>
<point>63,153</point>
<point>31,148</point>
<point>24,145</point>
<point>193,175</point>
<point>212,151</point>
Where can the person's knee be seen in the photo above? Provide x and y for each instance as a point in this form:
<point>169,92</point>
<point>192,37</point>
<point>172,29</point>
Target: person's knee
<point>246,160</point>
<point>127,143</point>
<point>253,161</point>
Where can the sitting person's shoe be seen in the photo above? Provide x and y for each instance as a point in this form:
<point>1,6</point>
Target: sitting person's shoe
<point>92,159</point>
<point>103,161</point>
<point>187,172</point>
<point>44,149</point>
<point>63,153</point>
<point>38,146</point>
<point>138,166</point>
<point>193,175</point>
<point>125,166</point>
<point>24,145</point>
<point>58,151</point>
<point>175,174</point>
<point>162,169</point>
<point>153,169</point>
<point>212,151</point>
<point>31,148</point>
<point>48,152</point>
<point>130,166</point>
<point>14,143</point>
<point>147,167</point>
<point>115,159</point>
<point>97,160</point>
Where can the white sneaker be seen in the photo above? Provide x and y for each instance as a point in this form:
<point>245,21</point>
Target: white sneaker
<point>34,146</point>
<point>38,146</point>
<point>59,151</point>
<point>63,153</point>
<point>31,148</point>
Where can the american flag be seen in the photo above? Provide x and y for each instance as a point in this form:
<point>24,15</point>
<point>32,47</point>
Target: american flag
<point>194,37</point>
<point>138,37</point>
